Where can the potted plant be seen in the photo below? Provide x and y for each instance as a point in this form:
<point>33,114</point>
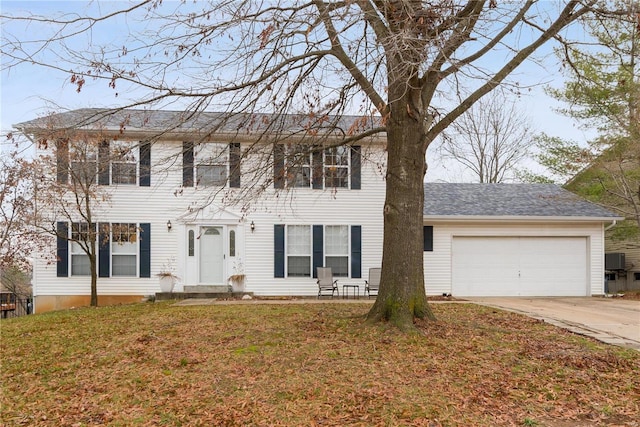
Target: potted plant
<point>167,281</point>
<point>236,280</point>
<point>167,278</point>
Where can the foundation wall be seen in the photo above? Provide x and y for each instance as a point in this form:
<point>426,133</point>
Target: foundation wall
<point>44,303</point>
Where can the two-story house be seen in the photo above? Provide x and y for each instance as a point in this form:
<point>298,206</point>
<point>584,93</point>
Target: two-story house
<point>213,198</point>
<point>207,198</point>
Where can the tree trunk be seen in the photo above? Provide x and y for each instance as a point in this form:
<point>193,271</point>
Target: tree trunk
<point>94,280</point>
<point>402,293</point>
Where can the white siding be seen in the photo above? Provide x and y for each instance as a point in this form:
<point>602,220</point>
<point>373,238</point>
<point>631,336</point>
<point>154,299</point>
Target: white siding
<point>438,264</point>
<point>166,200</point>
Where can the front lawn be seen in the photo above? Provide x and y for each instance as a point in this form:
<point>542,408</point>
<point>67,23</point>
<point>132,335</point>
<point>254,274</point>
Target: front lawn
<point>305,365</point>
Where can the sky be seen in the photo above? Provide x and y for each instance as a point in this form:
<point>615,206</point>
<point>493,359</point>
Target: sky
<point>29,91</point>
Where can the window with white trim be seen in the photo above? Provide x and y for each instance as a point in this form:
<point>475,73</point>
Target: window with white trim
<point>124,249</point>
<point>336,167</point>
<point>80,236</point>
<point>298,241</point>
<point>336,249</point>
<point>211,164</point>
<point>83,162</point>
<point>124,162</point>
<point>299,166</point>
<point>305,168</point>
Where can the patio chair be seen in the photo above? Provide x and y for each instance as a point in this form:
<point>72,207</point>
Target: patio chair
<point>326,284</point>
<point>373,283</point>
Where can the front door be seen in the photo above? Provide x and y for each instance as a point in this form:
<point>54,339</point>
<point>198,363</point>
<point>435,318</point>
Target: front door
<point>211,255</point>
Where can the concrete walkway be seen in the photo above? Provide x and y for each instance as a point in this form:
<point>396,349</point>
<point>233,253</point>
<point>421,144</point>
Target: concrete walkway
<point>610,320</point>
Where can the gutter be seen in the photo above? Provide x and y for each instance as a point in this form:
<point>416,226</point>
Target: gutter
<point>516,218</point>
<point>610,226</point>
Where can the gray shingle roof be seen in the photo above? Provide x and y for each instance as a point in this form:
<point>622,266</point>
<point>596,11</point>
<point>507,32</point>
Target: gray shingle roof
<point>203,122</point>
<point>507,200</point>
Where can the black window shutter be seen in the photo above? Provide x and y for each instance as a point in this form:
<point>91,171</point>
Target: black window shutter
<point>62,161</point>
<point>145,164</point>
<point>62,247</point>
<point>318,253</point>
<point>278,250</point>
<point>278,166</point>
<point>145,250</point>
<point>428,238</point>
<point>356,251</point>
<point>234,165</point>
<point>317,168</point>
<point>187,164</point>
<point>356,166</point>
<point>104,250</point>
<point>103,163</point>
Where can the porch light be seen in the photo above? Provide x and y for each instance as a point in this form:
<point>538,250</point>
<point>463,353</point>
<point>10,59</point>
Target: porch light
<point>253,227</point>
<point>169,225</point>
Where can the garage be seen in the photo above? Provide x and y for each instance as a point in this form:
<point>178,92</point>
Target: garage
<point>519,266</point>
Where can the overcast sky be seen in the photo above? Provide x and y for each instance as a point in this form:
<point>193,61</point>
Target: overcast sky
<point>30,91</point>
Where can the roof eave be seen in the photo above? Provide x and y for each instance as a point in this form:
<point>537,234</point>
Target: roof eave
<point>517,218</point>
<point>137,133</point>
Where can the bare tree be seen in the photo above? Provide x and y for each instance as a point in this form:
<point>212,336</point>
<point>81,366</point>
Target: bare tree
<point>397,60</point>
<point>17,235</point>
<point>69,197</point>
<point>489,140</point>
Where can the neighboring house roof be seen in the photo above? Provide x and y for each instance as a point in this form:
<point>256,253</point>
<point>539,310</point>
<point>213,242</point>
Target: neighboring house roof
<point>508,201</point>
<point>163,121</point>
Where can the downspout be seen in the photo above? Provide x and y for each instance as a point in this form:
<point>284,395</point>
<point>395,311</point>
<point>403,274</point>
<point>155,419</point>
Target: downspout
<point>610,226</point>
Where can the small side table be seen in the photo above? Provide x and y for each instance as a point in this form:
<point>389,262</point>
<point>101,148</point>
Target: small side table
<point>356,291</point>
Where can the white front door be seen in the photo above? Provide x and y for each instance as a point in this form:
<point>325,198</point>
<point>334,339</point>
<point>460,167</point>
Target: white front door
<point>211,255</point>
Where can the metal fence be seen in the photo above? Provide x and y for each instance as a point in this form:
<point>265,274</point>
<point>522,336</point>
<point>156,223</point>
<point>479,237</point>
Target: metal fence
<point>22,307</point>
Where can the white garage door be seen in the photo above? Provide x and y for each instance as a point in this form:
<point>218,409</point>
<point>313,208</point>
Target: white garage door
<point>519,266</point>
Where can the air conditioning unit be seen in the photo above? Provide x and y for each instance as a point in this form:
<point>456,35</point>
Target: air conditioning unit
<point>614,261</point>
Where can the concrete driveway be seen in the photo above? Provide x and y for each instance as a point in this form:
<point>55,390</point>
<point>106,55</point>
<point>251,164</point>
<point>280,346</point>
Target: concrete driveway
<point>611,320</point>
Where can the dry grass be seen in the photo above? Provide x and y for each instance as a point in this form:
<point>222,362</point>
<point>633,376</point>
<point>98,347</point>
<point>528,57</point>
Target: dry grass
<point>300,365</point>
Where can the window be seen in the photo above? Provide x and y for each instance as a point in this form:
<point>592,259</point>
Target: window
<point>299,167</point>
<point>124,249</point>
<point>303,165</point>
<point>124,163</point>
<point>232,243</point>
<point>427,238</point>
<point>337,249</point>
<point>192,243</point>
<point>610,276</point>
<point>636,276</point>
<point>298,251</point>
<point>212,162</point>
<point>336,167</point>
<point>83,162</point>
<point>81,235</point>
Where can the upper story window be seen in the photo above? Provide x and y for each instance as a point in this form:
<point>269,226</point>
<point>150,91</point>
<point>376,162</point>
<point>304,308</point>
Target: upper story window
<point>83,162</point>
<point>336,167</point>
<point>212,163</point>
<point>302,165</point>
<point>103,162</point>
<point>124,162</point>
<point>299,167</point>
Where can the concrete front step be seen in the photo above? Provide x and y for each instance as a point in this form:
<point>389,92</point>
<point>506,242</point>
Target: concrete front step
<point>216,289</point>
<point>163,296</point>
